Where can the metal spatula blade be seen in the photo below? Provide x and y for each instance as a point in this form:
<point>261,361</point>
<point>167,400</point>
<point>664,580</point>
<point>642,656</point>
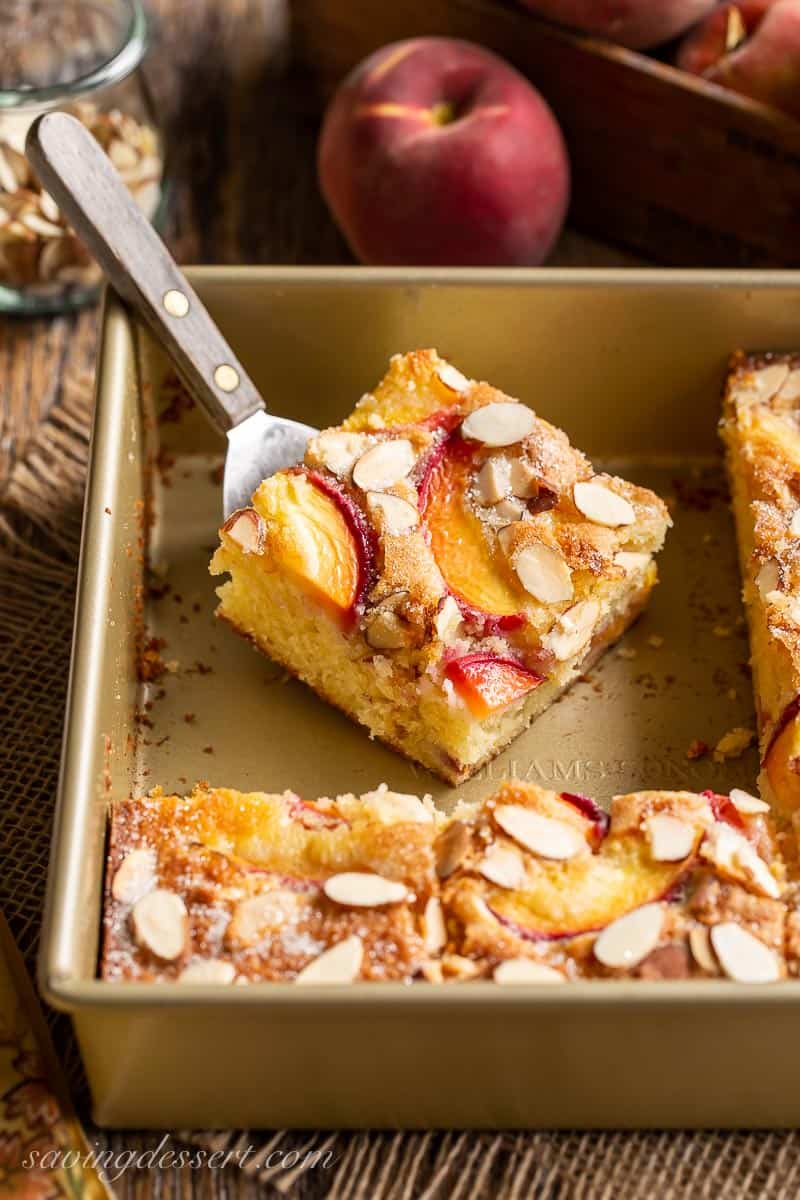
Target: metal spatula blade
<point>258,447</point>
<point>81,179</point>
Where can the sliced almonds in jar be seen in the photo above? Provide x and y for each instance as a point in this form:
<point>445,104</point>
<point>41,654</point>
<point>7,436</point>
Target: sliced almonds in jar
<point>363,889</point>
<point>627,941</point>
<point>545,836</point>
<point>161,923</point>
<point>599,503</point>
<point>500,424</point>
<point>384,465</point>
<point>339,964</point>
<point>742,956</point>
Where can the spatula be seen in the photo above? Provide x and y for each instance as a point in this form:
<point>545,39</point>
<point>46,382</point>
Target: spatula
<point>81,179</point>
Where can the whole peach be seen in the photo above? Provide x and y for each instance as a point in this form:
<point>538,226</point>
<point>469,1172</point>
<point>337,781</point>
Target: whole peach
<point>763,62</point>
<point>437,152</point>
<point>640,24</point>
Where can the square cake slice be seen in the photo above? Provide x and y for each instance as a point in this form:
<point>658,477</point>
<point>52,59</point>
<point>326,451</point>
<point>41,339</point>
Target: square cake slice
<point>441,567</point>
<point>761,430</point>
<point>529,886</point>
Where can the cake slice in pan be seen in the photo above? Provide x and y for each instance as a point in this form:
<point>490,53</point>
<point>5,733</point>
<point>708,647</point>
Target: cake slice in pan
<point>530,886</point>
<point>442,566</point>
<point>761,431</point>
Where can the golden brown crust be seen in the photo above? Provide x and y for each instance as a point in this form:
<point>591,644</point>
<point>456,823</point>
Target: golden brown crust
<point>761,430</point>
<point>255,887</point>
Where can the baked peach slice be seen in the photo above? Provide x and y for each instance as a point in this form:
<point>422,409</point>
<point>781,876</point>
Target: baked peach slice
<point>581,878</point>
<point>488,683</point>
<point>782,761</point>
<point>319,538</point>
<point>476,573</point>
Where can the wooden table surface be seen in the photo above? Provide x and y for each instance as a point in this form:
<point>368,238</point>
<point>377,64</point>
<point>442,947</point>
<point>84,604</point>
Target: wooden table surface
<point>241,134</point>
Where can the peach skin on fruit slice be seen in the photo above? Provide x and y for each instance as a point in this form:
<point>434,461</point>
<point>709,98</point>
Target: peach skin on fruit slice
<point>318,537</point>
<point>562,899</point>
<point>782,761</point>
<point>488,684</point>
<point>475,572</point>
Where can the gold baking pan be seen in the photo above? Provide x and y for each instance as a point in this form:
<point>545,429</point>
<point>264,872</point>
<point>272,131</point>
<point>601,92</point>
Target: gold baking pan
<point>630,364</point>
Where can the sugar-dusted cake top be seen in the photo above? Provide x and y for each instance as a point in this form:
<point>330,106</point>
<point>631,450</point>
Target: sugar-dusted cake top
<point>529,886</point>
<point>444,518</point>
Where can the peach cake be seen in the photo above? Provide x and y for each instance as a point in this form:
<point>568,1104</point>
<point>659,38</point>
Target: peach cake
<point>530,886</point>
<point>441,566</point>
<point>761,431</point>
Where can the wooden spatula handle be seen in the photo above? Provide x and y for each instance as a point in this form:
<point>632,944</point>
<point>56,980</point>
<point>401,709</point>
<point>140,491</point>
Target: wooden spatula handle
<point>81,179</point>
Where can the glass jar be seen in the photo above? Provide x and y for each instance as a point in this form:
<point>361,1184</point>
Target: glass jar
<point>83,56</point>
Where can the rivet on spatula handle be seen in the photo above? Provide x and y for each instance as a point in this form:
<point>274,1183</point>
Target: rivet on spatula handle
<point>81,179</point>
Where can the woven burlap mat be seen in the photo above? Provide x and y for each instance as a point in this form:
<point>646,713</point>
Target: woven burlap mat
<point>39,535</point>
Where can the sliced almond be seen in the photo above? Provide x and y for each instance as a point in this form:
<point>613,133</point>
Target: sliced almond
<point>135,876</point>
<point>790,389</point>
<point>700,947</point>
<point>391,807</point>
<point>501,424</point>
<point>524,480</point>
<point>545,836</point>
<point>524,970</point>
<point>502,865</point>
<point>363,889</point>
<point>397,515</point>
<point>448,620</point>
<point>671,839</point>
<point>386,631</point>
<point>494,479</point>
<point>452,378</point>
<point>208,970</point>
<point>600,504</point>
<point>258,917</point>
<point>41,226</point>
<point>8,178</point>
<point>340,964</point>
<point>767,381</point>
<point>247,529</point>
<point>337,450</point>
<point>160,923</point>
<point>629,939</point>
<point>746,804</point>
<point>122,154</point>
<point>737,859</point>
<point>631,561</point>
<point>434,926</point>
<point>768,578</point>
<point>544,573</point>
<point>384,465</point>
<point>451,848</point>
<point>509,510</point>
<point>742,956</point>
<point>572,630</point>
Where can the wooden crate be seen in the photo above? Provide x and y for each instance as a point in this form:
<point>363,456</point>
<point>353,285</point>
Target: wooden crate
<point>665,164</point>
